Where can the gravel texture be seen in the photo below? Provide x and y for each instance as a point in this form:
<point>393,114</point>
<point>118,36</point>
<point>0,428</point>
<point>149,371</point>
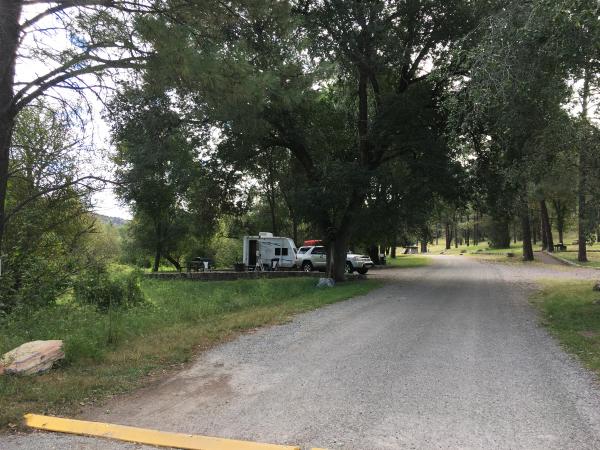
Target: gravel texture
<point>445,356</point>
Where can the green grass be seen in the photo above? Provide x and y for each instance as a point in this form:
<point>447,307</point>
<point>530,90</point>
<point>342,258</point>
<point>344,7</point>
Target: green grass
<point>408,261</point>
<point>482,247</point>
<point>571,314</point>
<point>593,258</point>
<point>113,353</point>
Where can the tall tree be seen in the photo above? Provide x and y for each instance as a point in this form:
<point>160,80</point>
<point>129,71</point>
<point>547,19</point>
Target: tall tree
<point>60,48</point>
<point>516,85</point>
<point>155,166</point>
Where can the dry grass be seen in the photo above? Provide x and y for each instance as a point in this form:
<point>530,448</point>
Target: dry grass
<point>182,318</point>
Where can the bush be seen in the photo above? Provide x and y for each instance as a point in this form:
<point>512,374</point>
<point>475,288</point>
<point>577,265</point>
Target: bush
<point>227,251</point>
<point>103,289</point>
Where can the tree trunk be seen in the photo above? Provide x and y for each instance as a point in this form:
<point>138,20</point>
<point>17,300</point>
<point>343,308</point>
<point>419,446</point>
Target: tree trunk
<point>544,236</point>
<point>9,42</point>
<point>374,253</point>
<point>455,233</point>
<point>561,212</point>
<point>560,235</point>
<point>547,229</point>
<point>581,228</point>
<point>295,230</point>
<point>271,196</point>
<point>423,246</point>
<point>581,188</point>
<point>393,251</point>
<point>174,262</point>
<point>157,255</point>
<point>476,229</point>
<point>448,237</point>
<point>336,255</point>
<point>526,230</point>
<point>6,126</point>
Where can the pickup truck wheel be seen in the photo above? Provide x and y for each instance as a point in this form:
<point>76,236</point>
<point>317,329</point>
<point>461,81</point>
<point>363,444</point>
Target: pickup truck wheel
<point>349,267</point>
<point>362,271</point>
<point>307,266</point>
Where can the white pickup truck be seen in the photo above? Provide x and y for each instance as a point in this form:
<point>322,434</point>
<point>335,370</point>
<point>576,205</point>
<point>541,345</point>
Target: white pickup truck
<point>311,258</point>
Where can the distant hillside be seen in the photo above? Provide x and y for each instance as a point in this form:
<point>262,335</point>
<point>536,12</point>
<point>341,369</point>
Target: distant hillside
<point>116,221</point>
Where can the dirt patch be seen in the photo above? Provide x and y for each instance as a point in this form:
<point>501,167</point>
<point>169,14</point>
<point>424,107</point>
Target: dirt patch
<point>589,334</point>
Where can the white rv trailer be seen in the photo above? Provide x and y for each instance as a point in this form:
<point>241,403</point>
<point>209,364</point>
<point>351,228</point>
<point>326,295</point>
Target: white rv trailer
<point>266,251</point>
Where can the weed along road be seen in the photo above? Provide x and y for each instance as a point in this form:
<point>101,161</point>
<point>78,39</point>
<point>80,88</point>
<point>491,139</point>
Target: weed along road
<point>445,356</point>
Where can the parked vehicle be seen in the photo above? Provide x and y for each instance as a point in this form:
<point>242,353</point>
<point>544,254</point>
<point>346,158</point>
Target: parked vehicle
<point>358,263</point>
<point>200,264</point>
<point>314,257</point>
<point>268,252</point>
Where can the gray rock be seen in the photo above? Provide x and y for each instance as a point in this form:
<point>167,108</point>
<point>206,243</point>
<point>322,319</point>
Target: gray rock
<point>597,287</point>
<point>326,282</point>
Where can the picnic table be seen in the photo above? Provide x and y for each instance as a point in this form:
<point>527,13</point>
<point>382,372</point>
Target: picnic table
<point>411,249</point>
<point>560,247</point>
<point>200,264</point>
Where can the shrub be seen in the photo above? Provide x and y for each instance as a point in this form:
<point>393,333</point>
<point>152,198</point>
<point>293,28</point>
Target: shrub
<point>227,251</point>
<point>104,289</point>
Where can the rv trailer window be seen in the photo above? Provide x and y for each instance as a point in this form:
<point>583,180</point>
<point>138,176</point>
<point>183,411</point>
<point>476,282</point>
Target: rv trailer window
<point>284,251</point>
<point>278,252</point>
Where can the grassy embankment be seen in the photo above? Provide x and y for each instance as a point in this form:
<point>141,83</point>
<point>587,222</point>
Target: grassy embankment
<point>482,249</point>
<point>571,311</point>
<point>593,257</point>
<point>112,353</point>
<point>407,261</point>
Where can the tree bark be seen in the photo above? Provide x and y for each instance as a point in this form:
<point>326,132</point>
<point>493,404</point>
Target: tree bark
<point>393,251</point>
<point>363,117</point>
<point>581,187</point>
<point>544,236</point>
<point>157,255</point>
<point>336,255</point>
<point>374,253</point>
<point>9,42</point>
<point>476,229</point>
<point>448,237</point>
<point>561,212</point>
<point>581,228</point>
<point>174,262</point>
<point>546,228</point>
<point>423,246</point>
<point>526,230</point>
<point>455,233</point>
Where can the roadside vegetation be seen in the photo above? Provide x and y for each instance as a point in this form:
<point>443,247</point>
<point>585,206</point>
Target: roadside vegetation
<point>571,311</point>
<point>592,256</point>
<point>112,350</point>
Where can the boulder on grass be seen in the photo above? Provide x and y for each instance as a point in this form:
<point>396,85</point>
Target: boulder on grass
<point>326,282</point>
<point>597,287</point>
<point>32,357</point>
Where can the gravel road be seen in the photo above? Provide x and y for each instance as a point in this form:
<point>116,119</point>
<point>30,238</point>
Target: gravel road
<point>446,356</point>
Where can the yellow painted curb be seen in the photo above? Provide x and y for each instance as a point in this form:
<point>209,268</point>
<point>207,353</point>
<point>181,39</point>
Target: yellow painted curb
<point>144,436</point>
